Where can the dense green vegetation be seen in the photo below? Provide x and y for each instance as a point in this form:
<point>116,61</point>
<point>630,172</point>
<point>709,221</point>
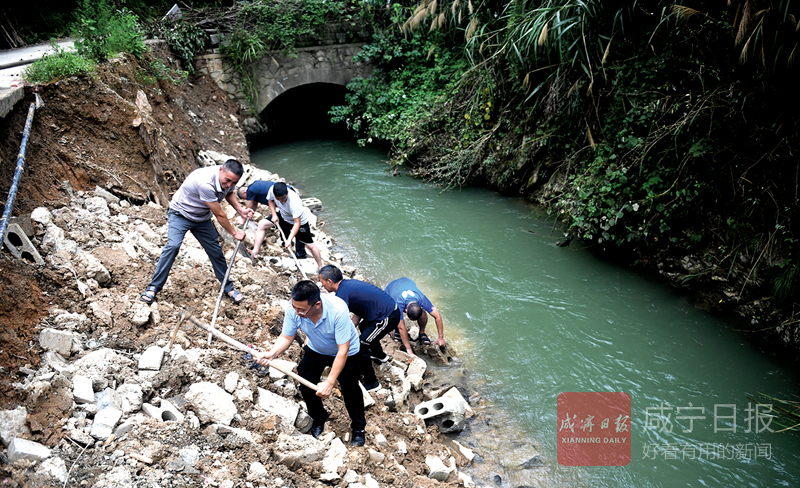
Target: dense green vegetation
<point>645,126</point>
<point>59,64</point>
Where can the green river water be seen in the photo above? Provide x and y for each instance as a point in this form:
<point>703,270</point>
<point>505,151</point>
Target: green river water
<point>531,320</point>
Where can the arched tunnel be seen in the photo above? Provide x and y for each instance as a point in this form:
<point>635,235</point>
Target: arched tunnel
<point>302,113</point>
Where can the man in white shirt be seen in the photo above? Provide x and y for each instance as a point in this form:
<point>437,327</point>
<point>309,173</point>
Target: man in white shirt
<point>288,212</point>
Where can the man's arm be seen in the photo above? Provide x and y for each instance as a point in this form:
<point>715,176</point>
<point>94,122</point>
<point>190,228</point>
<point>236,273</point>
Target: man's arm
<point>326,387</point>
<point>243,211</point>
<point>439,327</point>
<point>295,230</point>
<point>401,328</point>
<point>356,319</point>
<point>216,209</point>
<point>281,344</point>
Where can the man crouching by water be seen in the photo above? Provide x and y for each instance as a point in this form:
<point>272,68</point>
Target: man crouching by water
<point>332,341</point>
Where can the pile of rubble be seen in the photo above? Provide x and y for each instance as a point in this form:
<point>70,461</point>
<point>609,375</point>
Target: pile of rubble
<point>114,403</point>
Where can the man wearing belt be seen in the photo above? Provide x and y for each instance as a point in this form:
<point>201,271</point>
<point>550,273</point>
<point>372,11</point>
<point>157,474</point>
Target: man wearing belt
<point>190,210</point>
<point>374,313</point>
<point>288,212</point>
<point>257,193</point>
<point>332,341</point>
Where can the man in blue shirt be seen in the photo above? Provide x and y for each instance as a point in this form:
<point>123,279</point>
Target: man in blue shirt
<point>332,341</point>
<point>374,313</point>
<point>257,193</point>
<point>411,301</point>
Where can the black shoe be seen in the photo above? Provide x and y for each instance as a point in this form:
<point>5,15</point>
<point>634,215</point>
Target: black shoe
<point>302,255</point>
<point>373,387</point>
<point>359,438</point>
<point>317,427</point>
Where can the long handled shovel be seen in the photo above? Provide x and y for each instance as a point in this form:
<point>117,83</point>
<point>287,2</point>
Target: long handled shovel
<point>297,263</point>
<point>225,280</point>
<point>238,345</point>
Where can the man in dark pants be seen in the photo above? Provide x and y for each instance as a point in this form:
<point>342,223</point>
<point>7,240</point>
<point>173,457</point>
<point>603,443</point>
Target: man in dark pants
<point>374,313</point>
<point>256,193</point>
<point>190,210</point>
<point>332,341</point>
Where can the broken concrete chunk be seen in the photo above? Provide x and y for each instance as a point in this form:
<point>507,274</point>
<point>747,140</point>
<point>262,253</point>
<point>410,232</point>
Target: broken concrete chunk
<point>297,451</point>
<point>132,396</point>
<point>213,404</point>
<point>278,405</point>
<point>12,424</point>
<point>140,315</point>
<point>152,357</point>
<point>231,380</point>
<point>59,341</point>
<point>104,422</point>
<point>82,391</point>
<point>19,449</point>
<point>54,468</point>
<point>436,468</point>
<point>334,457</point>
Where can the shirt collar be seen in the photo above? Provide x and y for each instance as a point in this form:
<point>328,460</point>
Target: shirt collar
<point>216,180</point>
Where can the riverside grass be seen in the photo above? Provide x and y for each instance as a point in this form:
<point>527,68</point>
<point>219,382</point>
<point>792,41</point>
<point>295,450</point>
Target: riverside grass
<point>60,64</point>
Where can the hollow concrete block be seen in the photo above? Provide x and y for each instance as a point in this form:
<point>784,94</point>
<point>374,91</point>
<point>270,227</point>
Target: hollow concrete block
<point>20,246</point>
<point>447,413</point>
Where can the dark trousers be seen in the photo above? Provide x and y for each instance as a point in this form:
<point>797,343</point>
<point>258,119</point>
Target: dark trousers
<point>311,367</point>
<point>286,227</point>
<point>205,233</point>
<point>371,334</point>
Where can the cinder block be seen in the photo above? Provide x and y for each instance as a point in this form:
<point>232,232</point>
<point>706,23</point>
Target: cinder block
<point>20,246</point>
<point>313,204</point>
<point>447,413</point>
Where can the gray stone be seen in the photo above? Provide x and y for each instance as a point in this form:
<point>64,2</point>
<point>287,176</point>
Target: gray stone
<point>213,404</point>
<point>118,477</point>
<point>57,362</point>
<point>93,268</point>
<point>231,380</point>
<point>380,440</point>
<point>459,398</point>
<point>297,451</point>
<point>376,457</point>
<point>152,357</point>
<point>334,456</point>
<point>104,422</point>
<point>370,482</point>
<point>53,468</point>
<point>190,456</point>
<point>418,366</point>
<point>42,216</point>
<point>227,429</point>
<point>108,398</point>
<point>98,207</point>
<point>139,317</point>
<point>303,422</point>
<point>437,469</point>
<point>19,449</point>
<point>12,424</point>
<point>257,472</point>
<point>82,391</point>
<point>132,396</point>
<point>124,428</point>
<point>71,321</point>
<point>105,195</point>
<point>101,363</point>
<point>280,406</point>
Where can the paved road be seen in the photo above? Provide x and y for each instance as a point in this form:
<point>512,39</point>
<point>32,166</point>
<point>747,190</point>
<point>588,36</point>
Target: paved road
<point>12,64</point>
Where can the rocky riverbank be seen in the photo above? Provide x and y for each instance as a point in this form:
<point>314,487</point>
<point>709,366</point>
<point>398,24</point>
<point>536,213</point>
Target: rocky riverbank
<point>111,398</point>
<point>91,393</point>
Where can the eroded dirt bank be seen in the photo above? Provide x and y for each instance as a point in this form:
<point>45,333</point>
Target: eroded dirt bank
<point>104,156</point>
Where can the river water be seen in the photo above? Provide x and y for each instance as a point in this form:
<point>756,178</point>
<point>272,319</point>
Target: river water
<point>531,320</point>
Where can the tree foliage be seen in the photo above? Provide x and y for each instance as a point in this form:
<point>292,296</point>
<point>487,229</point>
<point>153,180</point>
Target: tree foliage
<point>643,125</point>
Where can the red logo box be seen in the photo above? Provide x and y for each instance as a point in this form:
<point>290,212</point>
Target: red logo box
<point>594,429</point>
